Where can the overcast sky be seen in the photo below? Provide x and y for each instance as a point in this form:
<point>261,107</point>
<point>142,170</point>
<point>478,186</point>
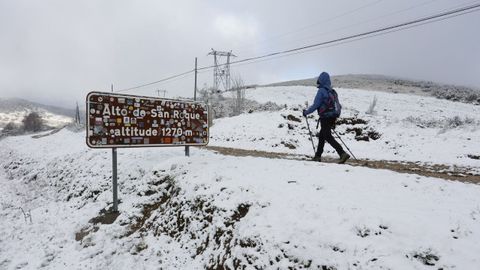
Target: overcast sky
<point>58,50</point>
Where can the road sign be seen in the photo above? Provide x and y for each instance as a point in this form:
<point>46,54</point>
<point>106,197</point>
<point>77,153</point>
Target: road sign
<point>116,120</point>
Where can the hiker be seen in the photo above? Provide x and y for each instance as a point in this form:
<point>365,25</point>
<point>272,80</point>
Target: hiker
<point>328,108</point>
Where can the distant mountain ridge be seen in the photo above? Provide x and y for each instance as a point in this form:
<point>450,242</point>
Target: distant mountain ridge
<point>15,109</point>
<point>395,85</point>
<point>18,104</point>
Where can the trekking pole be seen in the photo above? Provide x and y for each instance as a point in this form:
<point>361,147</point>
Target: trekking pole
<point>310,132</point>
<point>311,138</point>
<point>344,144</point>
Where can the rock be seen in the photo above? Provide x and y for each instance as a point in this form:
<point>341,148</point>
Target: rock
<point>293,118</point>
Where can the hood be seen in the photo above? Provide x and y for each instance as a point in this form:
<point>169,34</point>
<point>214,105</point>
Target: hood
<point>324,80</point>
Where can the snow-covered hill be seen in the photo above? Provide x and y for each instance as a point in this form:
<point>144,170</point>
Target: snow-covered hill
<point>401,127</point>
<point>14,110</point>
<point>212,211</point>
<point>396,85</point>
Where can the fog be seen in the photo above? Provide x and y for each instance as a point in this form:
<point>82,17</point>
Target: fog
<point>56,51</point>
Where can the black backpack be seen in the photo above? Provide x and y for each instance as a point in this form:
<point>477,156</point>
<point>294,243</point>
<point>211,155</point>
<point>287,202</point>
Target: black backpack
<point>334,106</point>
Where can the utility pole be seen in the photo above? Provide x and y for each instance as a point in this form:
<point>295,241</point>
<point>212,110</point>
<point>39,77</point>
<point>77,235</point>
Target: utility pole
<point>221,70</point>
<point>77,115</point>
<point>195,85</point>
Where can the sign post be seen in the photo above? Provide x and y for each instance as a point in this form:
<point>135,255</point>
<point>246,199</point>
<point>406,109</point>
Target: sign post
<point>114,176</point>
<point>187,148</point>
<point>125,121</point>
<point>114,179</point>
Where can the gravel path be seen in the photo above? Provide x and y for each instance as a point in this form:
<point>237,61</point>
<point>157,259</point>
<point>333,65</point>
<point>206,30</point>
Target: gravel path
<point>457,173</point>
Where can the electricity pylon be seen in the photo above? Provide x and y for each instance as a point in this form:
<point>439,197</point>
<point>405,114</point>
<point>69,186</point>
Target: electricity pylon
<point>221,70</point>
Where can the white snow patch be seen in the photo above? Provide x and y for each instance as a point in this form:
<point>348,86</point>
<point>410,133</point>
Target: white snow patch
<point>300,213</point>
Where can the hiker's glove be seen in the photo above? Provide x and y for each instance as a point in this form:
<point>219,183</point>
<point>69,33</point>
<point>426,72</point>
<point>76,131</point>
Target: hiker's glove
<point>304,112</point>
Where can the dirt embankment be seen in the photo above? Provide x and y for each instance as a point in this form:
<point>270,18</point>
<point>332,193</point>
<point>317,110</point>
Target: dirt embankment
<point>456,173</point>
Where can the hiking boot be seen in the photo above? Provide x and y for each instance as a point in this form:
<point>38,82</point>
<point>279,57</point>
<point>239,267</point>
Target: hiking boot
<point>317,158</point>
<point>343,157</point>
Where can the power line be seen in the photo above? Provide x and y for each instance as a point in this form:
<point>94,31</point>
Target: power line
<point>155,82</point>
<point>319,22</point>
<point>378,18</point>
<point>401,26</point>
<point>367,21</point>
<point>381,31</point>
<point>361,38</point>
<point>356,39</point>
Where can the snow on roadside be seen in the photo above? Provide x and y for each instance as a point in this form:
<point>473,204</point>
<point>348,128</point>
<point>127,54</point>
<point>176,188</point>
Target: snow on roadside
<point>211,210</point>
<point>411,127</point>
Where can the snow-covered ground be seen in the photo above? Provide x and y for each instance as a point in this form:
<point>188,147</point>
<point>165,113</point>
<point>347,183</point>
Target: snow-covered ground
<point>213,211</point>
<point>210,211</point>
<point>411,127</point>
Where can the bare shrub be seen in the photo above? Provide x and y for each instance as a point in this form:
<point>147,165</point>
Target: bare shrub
<point>211,97</point>
<point>11,129</point>
<point>32,122</point>
<point>238,96</point>
<point>445,124</point>
<point>235,103</point>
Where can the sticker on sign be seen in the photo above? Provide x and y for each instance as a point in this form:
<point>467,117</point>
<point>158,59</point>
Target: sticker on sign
<point>116,120</point>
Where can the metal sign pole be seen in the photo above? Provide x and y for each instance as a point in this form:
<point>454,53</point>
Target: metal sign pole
<point>187,148</point>
<point>114,176</point>
<point>114,179</point>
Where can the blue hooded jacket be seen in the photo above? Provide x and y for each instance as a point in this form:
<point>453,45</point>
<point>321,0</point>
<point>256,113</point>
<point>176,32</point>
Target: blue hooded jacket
<point>323,100</point>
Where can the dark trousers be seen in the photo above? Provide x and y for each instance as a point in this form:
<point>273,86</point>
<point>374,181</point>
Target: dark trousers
<point>325,134</point>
